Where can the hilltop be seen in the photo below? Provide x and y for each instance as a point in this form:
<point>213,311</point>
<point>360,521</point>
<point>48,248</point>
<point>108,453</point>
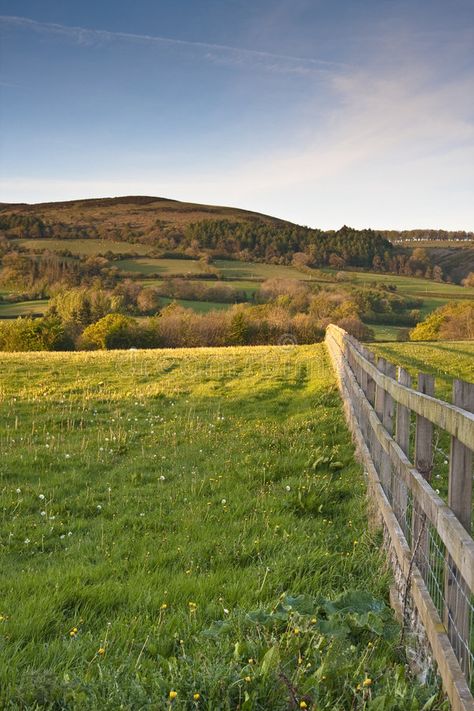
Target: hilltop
<point>134,216</point>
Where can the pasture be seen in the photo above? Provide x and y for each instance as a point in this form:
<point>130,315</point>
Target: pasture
<point>187,529</point>
<point>83,247</point>
<point>23,308</point>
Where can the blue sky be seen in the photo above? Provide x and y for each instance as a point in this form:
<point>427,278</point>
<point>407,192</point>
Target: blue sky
<point>323,112</point>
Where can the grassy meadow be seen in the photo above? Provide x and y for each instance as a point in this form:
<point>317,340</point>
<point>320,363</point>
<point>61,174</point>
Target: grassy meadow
<point>87,247</point>
<point>187,529</point>
<point>23,308</point>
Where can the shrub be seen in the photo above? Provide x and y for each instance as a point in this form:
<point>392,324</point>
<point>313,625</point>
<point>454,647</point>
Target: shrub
<point>28,334</point>
<point>114,331</point>
<point>356,328</point>
<point>452,321</point>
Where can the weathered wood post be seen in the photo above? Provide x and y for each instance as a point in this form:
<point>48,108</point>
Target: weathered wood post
<point>402,437</point>
<point>387,421</point>
<point>378,454</point>
<point>457,616</point>
<point>424,464</point>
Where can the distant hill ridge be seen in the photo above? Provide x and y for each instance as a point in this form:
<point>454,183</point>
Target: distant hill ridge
<point>159,203</point>
<point>169,225</point>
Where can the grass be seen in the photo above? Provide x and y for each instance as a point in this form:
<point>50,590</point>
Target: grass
<point>231,269</point>
<point>424,288</point>
<point>386,333</point>
<point>87,247</point>
<point>445,360</point>
<point>250,287</point>
<point>23,308</point>
<point>169,267</point>
<point>175,521</point>
<point>200,307</point>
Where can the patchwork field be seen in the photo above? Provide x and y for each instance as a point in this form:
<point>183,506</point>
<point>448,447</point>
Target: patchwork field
<point>187,529</point>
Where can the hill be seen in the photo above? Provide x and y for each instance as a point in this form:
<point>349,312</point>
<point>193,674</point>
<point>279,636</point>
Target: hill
<point>188,228</point>
<point>131,219</point>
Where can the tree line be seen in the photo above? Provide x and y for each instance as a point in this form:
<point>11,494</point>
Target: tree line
<point>93,317</point>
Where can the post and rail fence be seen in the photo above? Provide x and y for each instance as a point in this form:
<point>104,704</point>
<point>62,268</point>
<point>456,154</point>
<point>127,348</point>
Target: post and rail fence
<point>398,430</point>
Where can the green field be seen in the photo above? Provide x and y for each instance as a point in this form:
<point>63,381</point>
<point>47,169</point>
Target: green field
<point>250,287</point>
<point>425,288</point>
<point>88,247</point>
<point>22,308</point>
<point>177,522</point>
<point>445,360</point>
<point>169,267</point>
<point>200,307</point>
<point>231,269</point>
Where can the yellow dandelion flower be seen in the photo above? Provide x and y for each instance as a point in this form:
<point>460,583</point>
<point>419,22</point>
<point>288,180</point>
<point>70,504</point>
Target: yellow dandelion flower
<point>196,696</point>
<point>303,705</point>
<point>164,606</point>
<point>367,682</point>
<point>101,651</point>
<point>172,695</point>
<point>248,679</point>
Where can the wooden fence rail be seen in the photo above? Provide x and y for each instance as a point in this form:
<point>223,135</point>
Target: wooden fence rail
<point>398,430</point>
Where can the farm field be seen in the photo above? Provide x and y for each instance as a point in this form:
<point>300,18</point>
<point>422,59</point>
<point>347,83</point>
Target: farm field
<point>231,270</point>
<point>408,284</point>
<point>248,286</point>
<point>200,307</point>
<point>88,247</point>
<point>174,526</point>
<point>22,308</point>
<point>151,265</point>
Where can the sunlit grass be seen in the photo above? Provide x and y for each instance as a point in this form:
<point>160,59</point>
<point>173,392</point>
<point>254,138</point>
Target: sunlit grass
<point>151,500</point>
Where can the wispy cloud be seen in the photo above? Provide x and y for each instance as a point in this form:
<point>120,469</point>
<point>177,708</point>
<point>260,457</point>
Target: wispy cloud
<point>209,51</point>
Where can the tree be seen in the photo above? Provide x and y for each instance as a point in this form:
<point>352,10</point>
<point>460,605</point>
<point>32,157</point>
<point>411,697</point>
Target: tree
<point>238,329</point>
<point>469,280</point>
<point>28,334</point>
<point>452,321</point>
<point>111,332</point>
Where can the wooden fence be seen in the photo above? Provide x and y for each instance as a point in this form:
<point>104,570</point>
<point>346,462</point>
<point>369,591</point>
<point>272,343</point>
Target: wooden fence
<point>403,436</point>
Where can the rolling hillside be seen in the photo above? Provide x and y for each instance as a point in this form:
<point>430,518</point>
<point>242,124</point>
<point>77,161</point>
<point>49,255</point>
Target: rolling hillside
<point>122,218</point>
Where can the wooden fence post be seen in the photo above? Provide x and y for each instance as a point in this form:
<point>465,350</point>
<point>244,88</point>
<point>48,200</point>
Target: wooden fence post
<point>424,464</point>
<point>457,617</point>
<point>379,396</point>
<point>370,381</point>
<point>387,421</point>
<point>402,437</point>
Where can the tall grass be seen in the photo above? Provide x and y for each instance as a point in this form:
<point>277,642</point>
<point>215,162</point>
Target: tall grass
<point>175,529</point>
